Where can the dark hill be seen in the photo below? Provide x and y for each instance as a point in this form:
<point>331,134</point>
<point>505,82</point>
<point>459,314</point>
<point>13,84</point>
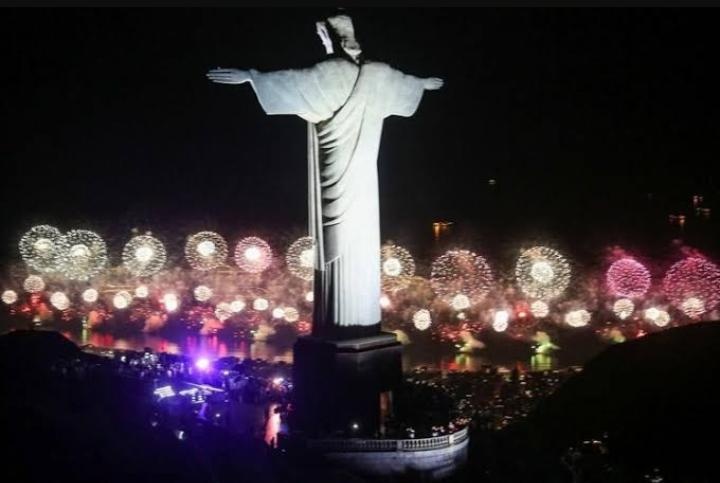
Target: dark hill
<point>34,348</point>
<point>655,401</point>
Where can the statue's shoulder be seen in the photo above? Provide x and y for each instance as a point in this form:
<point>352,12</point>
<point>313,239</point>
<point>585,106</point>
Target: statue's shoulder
<point>335,63</point>
<point>376,66</point>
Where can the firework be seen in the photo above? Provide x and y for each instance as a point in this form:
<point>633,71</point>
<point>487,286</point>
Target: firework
<point>652,313</point>
<point>422,319</point>
<point>224,311</point>
<point>42,248</point>
<point>693,307</point>
<point>539,309</point>
<point>202,293</point>
<point>253,255</point>
<point>291,314</point>
<point>34,284</point>
<point>205,250</point>
<point>542,273</point>
<point>693,285</point>
<point>59,300</point>
<point>144,255</point>
<point>300,258</point>
<point>461,272</point>
<point>9,297</point>
<point>577,318</point>
<point>500,320</point>
<point>396,266</point>
<point>260,304</point>
<point>122,300</point>
<point>142,291</point>
<point>171,302</point>
<point>460,302</point>
<point>628,278</point>
<point>278,313</point>
<point>84,255</point>
<point>237,305</point>
<point>657,316</point>
<point>662,319</point>
<point>90,295</point>
<point>623,308</point>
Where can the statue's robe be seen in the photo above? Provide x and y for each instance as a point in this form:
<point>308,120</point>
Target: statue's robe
<point>345,105</point>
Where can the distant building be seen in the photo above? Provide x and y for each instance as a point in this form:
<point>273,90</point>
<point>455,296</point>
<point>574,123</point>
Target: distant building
<point>441,229</point>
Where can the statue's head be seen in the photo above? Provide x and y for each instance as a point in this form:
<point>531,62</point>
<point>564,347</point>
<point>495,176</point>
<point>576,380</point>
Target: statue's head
<point>338,30</point>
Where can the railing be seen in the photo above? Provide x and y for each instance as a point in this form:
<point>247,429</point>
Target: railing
<point>383,445</point>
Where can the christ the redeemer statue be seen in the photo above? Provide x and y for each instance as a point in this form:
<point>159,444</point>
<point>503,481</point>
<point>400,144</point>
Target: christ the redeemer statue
<point>344,100</point>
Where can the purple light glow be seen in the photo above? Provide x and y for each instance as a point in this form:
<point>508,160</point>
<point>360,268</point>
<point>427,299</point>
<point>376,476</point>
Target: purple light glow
<point>203,364</point>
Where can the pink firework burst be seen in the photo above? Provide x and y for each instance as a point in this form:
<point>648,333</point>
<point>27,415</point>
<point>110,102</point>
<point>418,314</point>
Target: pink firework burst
<point>693,283</point>
<point>628,278</point>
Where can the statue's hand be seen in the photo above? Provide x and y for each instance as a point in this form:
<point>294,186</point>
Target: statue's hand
<point>228,76</point>
<point>433,83</point>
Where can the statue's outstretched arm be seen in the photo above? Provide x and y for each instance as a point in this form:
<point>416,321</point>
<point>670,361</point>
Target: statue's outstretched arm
<point>228,76</point>
<point>433,83</point>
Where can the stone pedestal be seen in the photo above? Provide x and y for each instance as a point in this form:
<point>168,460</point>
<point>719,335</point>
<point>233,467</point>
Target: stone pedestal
<point>343,388</point>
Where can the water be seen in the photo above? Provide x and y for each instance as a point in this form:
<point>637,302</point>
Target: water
<point>214,346</point>
<point>576,349</point>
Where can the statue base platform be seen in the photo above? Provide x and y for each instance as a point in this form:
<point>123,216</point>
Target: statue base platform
<point>344,387</point>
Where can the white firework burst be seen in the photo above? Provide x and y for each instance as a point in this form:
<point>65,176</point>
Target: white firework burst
<point>202,293</point>
<point>461,272</point>
<point>41,248</point>
<point>253,255</point>
<point>422,319</point>
<point>90,295</point>
<point>144,255</point>
<point>206,250</point>
<point>300,258</point>
<point>84,255</point>
<point>59,300</point>
<point>542,273</point>
<point>623,308</point>
<point>34,284</point>
<point>396,266</point>
<point>9,297</point>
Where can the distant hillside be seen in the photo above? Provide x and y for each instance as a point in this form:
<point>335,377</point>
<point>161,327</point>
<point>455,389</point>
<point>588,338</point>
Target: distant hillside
<point>34,348</point>
<point>657,398</point>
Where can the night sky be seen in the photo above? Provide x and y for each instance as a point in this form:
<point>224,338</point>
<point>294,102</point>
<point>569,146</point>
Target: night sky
<point>595,123</point>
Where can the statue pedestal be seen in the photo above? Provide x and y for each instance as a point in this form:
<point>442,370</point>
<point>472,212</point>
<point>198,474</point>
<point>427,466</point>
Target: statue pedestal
<point>343,388</point>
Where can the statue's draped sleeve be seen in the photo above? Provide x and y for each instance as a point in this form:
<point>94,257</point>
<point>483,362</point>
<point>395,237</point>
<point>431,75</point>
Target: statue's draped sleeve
<point>313,93</point>
<point>402,93</point>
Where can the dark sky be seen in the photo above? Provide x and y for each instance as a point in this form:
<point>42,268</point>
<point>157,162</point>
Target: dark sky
<point>594,122</point>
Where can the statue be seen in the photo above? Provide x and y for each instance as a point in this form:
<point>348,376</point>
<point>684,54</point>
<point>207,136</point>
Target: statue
<point>344,99</point>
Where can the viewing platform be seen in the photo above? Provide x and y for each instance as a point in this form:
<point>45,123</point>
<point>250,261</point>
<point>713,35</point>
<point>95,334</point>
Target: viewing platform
<point>436,457</point>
